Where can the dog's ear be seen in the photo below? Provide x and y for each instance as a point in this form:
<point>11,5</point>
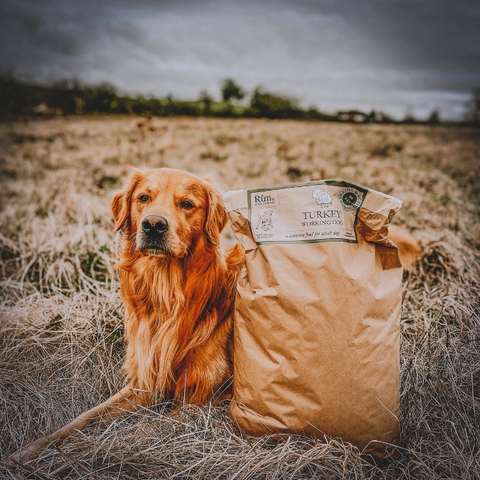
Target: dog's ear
<point>122,201</point>
<point>216,217</point>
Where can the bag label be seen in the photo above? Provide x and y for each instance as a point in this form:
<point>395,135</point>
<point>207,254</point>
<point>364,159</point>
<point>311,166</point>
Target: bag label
<point>305,213</point>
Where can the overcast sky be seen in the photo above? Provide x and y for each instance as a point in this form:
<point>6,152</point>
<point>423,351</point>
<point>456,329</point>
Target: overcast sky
<point>392,55</point>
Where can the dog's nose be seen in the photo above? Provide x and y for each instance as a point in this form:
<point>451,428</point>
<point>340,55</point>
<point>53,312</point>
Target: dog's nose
<point>154,225</point>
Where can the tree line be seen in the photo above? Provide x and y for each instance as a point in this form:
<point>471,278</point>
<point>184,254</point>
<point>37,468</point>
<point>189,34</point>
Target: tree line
<point>71,97</point>
<point>74,98</point>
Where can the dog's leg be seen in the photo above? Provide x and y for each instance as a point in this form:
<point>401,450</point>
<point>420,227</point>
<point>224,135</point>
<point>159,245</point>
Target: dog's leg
<point>121,403</point>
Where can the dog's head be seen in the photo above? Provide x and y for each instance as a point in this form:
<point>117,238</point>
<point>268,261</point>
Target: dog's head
<point>168,212</point>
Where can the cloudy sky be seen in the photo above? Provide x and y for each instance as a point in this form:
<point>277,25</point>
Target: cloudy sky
<point>398,56</point>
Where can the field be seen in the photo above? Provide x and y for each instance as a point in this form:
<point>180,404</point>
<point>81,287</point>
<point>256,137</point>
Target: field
<point>61,336</point>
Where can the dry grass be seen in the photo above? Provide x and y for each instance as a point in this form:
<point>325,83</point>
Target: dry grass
<point>61,337</point>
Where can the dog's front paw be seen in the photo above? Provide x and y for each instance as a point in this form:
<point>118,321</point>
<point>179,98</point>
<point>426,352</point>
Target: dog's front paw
<point>28,453</point>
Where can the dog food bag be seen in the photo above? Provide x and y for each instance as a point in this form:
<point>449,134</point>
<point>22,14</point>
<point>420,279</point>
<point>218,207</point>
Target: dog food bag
<point>317,314</point>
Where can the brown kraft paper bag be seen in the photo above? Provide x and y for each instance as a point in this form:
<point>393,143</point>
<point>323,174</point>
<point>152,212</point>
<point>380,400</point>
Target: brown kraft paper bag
<point>317,314</point>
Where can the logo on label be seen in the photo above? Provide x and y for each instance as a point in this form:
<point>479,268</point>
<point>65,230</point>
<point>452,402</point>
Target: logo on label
<point>350,198</point>
<point>265,221</point>
<point>321,196</point>
<point>263,199</point>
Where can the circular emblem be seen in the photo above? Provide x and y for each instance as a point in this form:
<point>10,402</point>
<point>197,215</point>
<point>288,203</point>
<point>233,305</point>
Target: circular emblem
<point>350,198</point>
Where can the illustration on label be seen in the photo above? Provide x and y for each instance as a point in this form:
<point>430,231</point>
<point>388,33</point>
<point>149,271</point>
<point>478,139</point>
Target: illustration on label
<point>265,221</point>
<point>321,196</point>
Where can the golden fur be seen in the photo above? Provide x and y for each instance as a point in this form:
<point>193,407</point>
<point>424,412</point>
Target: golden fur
<point>178,303</point>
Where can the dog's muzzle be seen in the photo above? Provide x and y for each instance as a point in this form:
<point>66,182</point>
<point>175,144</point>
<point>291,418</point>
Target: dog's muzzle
<point>154,227</point>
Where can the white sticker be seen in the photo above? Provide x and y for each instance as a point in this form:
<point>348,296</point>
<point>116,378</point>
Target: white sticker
<point>305,213</point>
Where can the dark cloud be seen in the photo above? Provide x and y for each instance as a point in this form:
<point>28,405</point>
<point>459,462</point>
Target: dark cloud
<point>389,54</point>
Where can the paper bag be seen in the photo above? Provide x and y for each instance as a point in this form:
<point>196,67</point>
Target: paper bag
<point>317,314</point>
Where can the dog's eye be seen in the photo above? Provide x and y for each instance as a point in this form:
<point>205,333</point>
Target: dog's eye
<point>187,205</point>
<point>143,198</point>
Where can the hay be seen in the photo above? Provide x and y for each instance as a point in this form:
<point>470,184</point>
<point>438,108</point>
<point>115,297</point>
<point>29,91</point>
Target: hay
<point>61,334</point>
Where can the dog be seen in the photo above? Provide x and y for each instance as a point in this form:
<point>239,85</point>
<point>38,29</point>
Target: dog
<point>179,293</point>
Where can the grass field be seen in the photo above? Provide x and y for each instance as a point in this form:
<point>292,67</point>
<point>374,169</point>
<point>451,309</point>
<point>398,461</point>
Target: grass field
<point>61,336</point>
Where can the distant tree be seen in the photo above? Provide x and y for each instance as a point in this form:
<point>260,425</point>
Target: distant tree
<point>230,90</point>
<point>476,106</point>
<point>434,118</point>
<point>409,117</point>
<point>472,106</point>
<point>207,101</point>
<point>100,98</point>
<point>271,105</point>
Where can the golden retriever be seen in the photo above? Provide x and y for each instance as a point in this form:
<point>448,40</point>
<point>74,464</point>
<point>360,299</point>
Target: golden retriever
<point>179,293</point>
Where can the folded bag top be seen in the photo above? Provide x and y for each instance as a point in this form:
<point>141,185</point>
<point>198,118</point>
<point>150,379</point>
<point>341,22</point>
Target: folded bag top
<point>317,314</point>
